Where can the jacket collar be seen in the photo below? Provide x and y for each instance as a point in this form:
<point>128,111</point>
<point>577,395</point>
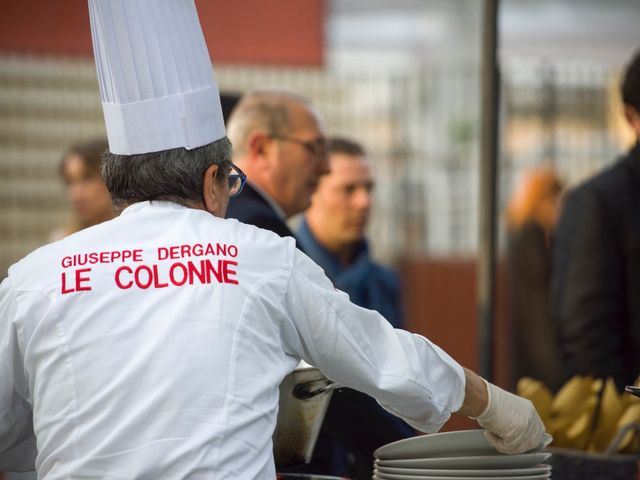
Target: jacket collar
<point>155,204</point>
<point>323,257</point>
<point>268,200</point>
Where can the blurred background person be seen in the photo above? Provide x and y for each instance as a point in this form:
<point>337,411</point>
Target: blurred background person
<point>596,262</point>
<point>279,142</point>
<point>85,190</point>
<point>332,233</point>
<point>531,217</point>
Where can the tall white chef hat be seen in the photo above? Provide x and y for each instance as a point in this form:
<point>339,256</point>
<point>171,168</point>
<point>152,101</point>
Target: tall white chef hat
<point>156,80</point>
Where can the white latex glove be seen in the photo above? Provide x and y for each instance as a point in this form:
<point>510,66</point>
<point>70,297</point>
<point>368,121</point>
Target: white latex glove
<point>512,424</point>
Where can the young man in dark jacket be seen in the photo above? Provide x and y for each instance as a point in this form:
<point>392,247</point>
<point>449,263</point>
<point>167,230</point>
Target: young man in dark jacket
<point>333,235</point>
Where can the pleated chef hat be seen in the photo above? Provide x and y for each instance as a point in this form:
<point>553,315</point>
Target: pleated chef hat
<point>156,80</point>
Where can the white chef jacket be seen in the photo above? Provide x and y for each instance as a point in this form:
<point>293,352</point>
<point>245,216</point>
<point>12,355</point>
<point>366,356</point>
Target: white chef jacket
<point>152,346</point>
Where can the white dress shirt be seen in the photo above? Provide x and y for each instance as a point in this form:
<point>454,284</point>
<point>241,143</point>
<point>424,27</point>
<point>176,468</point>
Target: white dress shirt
<point>153,345</point>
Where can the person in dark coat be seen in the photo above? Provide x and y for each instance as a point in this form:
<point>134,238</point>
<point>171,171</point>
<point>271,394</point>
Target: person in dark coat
<point>279,142</point>
<point>333,235</point>
<point>596,263</point>
<point>531,216</point>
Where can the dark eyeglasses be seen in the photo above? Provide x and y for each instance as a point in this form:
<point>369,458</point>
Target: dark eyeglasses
<point>317,146</point>
<point>236,179</point>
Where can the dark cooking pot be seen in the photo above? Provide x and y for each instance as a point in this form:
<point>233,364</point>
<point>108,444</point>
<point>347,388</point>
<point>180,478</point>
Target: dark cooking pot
<point>304,398</point>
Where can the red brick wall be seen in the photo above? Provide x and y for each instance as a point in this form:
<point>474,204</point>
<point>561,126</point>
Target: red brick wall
<point>287,32</point>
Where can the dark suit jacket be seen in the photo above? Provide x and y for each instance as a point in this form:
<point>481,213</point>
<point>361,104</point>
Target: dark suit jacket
<point>596,274</point>
<point>251,207</point>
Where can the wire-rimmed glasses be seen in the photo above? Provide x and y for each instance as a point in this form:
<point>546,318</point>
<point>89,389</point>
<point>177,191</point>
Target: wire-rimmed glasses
<point>236,179</point>
<point>317,146</point>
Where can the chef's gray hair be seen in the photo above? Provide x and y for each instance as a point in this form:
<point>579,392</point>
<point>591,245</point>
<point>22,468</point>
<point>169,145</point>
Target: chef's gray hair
<point>174,175</point>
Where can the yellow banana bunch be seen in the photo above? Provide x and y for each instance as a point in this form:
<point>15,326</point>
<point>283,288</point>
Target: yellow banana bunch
<point>630,415</point>
<point>572,430</point>
<point>571,396</point>
<point>539,394</point>
<point>585,414</point>
<point>611,408</point>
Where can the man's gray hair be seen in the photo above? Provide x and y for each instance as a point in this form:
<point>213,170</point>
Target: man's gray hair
<point>175,175</point>
<point>261,110</point>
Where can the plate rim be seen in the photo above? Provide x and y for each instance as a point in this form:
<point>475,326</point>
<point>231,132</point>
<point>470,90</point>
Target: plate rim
<point>543,456</point>
<point>542,476</point>
<point>469,436</point>
<point>444,473</point>
<point>418,438</point>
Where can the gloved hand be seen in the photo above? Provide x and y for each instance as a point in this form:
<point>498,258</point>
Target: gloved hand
<point>512,424</point>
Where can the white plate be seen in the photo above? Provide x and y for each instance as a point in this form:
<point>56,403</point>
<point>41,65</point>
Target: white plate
<point>382,476</point>
<point>465,443</point>
<point>525,460</point>
<point>537,470</point>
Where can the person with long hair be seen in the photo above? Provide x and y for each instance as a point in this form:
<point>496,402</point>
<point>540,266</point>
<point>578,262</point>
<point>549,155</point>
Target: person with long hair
<point>531,217</point>
<point>87,194</point>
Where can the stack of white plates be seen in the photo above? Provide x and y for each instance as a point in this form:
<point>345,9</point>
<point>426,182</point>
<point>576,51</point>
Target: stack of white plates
<point>463,455</point>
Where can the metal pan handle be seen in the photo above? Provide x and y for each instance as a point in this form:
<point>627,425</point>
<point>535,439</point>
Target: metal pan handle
<point>633,390</point>
<point>306,390</point>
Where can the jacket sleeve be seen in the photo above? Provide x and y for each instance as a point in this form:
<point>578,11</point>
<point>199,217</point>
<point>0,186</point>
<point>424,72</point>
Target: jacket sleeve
<point>17,440</point>
<point>586,281</point>
<point>406,373</point>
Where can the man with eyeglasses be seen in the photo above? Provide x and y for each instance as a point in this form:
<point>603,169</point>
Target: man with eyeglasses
<point>279,142</point>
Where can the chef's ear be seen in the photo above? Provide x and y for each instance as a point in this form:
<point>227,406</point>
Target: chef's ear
<point>211,190</point>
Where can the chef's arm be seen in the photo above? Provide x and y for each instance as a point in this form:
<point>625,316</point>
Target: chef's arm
<point>17,440</point>
<point>406,373</point>
<point>476,395</point>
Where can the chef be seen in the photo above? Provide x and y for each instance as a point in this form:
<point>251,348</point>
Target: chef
<point>152,345</point>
